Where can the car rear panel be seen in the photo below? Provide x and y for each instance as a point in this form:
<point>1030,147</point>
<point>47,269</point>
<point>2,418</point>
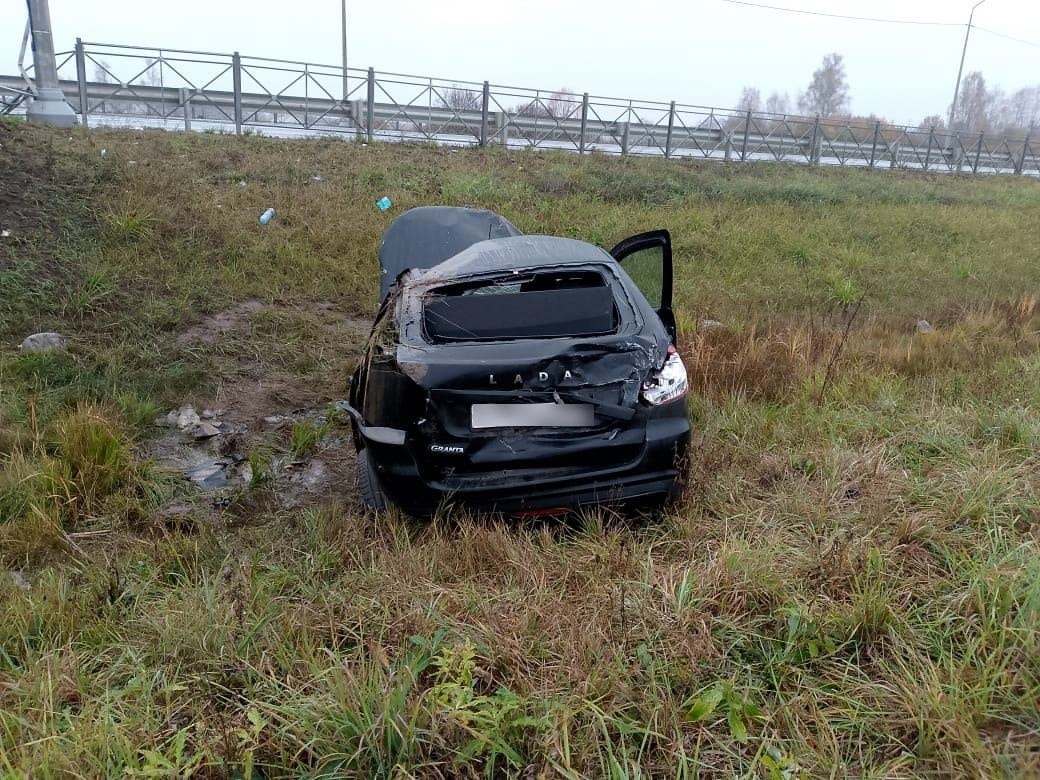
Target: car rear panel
<point>607,373</point>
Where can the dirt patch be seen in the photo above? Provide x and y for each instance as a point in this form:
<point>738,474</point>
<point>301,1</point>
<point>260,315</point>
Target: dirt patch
<point>255,403</point>
<point>250,398</point>
<point>234,321</point>
<point>274,358</point>
<point>240,320</point>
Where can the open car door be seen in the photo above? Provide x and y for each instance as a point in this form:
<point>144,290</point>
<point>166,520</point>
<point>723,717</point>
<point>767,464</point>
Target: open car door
<point>647,258</point>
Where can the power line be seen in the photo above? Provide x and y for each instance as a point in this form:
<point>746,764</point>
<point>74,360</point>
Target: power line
<point>844,16</point>
<point>1009,37</point>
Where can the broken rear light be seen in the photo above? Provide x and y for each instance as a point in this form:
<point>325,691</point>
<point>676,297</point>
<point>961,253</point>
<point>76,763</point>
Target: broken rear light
<point>667,384</point>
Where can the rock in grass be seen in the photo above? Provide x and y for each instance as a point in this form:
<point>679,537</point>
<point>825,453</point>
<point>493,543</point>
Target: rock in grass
<point>711,325</point>
<point>208,476</point>
<point>43,342</point>
<point>206,430</point>
<point>182,418</point>
<point>924,326</point>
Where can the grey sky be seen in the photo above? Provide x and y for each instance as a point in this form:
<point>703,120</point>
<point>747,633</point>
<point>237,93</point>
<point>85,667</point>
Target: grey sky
<point>699,52</point>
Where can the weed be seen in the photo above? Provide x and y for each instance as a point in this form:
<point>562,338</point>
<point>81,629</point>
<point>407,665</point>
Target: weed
<point>129,226</point>
<point>261,466</point>
<point>736,708</point>
<point>306,435</point>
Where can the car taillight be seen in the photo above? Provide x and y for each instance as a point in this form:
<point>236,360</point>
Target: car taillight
<point>667,384</point>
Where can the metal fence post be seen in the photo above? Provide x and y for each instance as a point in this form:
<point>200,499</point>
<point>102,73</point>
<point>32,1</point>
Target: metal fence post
<point>978,154</point>
<point>81,79</point>
<point>185,97</point>
<point>873,145</point>
<point>671,124</point>
<point>814,149</point>
<point>584,121</point>
<point>370,107</point>
<point>928,151</point>
<point>484,114</point>
<point>1025,151</point>
<point>236,77</point>
<point>306,96</point>
<point>502,128</point>
<point>747,129</point>
<point>958,151</point>
<point>355,118</point>
<point>162,89</point>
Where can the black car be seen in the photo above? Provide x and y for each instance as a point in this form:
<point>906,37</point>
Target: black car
<point>518,373</point>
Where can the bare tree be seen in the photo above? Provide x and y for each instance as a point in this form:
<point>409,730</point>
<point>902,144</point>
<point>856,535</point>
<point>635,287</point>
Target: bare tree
<point>152,75</point>
<point>828,92</point>
<point>999,117</point>
<point>561,104</point>
<point>974,102</point>
<point>750,100</point>
<point>102,72</point>
<point>1024,107</point>
<point>933,120</point>
<point>458,98</point>
<point>778,104</point>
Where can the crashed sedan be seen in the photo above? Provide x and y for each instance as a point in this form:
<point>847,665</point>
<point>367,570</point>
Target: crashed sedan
<point>518,373</point>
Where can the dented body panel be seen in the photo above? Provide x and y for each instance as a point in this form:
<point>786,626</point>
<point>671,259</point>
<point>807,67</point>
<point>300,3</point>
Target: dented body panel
<point>425,391</point>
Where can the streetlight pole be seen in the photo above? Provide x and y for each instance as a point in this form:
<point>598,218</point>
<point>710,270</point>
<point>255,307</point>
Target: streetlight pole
<point>346,86</point>
<point>48,105</point>
<point>960,70</point>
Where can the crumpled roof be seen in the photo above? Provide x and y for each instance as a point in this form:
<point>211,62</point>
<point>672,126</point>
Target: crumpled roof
<point>506,254</point>
<point>428,235</point>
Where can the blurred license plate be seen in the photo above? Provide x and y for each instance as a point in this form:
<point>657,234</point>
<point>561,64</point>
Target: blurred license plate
<point>533,416</point>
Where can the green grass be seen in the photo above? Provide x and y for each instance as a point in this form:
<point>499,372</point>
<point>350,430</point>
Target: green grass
<point>305,436</point>
<point>851,587</point>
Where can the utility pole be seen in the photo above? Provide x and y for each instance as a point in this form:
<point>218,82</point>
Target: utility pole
<point>960,70</point>
<point>346,85</point>
<point>48,105</point>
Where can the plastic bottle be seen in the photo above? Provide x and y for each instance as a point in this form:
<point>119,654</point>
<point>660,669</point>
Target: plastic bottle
<point>384,203</point>
<point>267,216</point>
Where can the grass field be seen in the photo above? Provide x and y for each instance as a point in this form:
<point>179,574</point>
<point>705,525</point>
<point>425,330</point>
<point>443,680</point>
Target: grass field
<point>850,588</point>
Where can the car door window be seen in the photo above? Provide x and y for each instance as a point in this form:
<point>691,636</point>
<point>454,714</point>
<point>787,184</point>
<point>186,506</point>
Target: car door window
<point>646,267</point>
<point>647,257</point>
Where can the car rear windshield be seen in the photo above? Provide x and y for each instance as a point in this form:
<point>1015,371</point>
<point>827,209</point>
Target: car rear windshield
<point>546,304</point>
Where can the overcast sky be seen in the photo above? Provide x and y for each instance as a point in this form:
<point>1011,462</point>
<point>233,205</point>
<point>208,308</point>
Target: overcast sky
<point>699,51</point>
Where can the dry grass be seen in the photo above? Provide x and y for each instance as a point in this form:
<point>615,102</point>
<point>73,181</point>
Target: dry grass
<point>851,588</point>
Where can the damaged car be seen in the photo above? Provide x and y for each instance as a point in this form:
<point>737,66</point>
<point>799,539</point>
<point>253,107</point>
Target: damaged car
<point>518,373</point>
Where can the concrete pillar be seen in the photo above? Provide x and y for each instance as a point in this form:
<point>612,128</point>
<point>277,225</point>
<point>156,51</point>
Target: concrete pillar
<point>48,105</point>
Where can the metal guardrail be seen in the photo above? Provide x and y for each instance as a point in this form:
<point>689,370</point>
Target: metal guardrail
<point>206,90</point>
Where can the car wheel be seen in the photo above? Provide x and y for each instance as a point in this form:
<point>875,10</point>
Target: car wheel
<point>372,494</point>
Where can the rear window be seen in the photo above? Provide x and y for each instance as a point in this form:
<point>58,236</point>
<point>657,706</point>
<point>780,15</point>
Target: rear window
<point>547,304</point>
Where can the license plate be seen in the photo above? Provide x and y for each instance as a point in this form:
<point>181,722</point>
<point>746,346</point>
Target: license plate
<point>533,416</point>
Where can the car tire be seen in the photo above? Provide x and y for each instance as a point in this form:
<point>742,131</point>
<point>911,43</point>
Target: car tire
<point>370,486</point>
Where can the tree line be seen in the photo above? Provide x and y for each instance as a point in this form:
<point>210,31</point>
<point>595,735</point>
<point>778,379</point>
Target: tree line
<point>979,108</point>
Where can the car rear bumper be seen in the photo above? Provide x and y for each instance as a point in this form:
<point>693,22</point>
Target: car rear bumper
<point>652,476</point>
